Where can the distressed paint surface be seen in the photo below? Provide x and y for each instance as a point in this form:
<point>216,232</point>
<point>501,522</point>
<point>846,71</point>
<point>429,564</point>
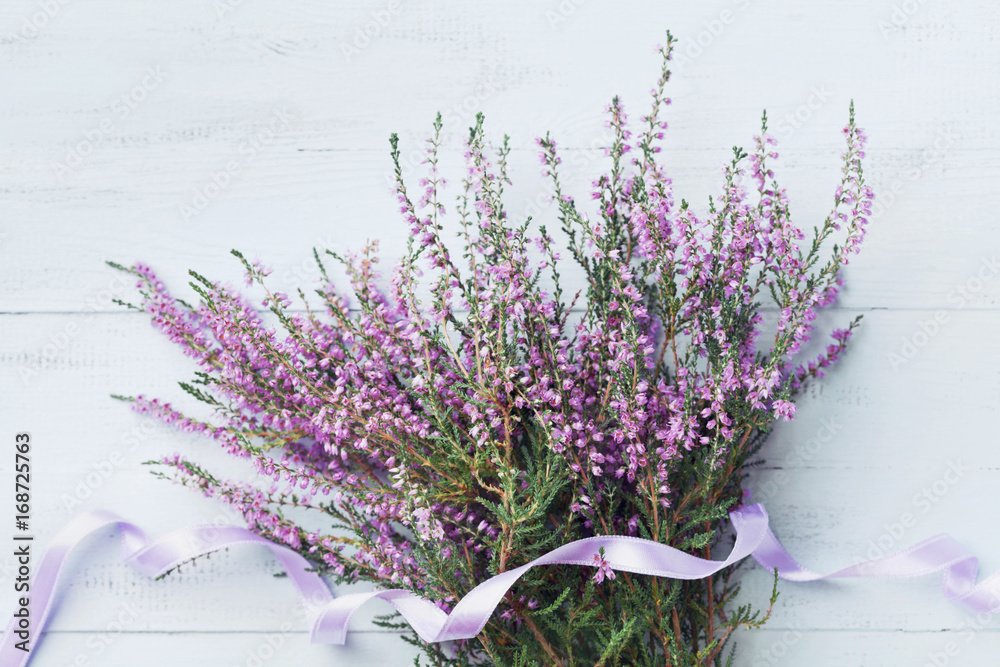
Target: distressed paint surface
<point>173,131</point>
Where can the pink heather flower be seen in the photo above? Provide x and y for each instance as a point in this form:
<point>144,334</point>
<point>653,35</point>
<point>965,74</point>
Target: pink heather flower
<point>407,405</point>
<point>603,568</point>
<point>783,409</point>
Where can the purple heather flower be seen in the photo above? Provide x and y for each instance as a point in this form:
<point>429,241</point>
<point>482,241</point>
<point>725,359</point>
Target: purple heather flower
<point>604,570</point>
<point>783,409</point>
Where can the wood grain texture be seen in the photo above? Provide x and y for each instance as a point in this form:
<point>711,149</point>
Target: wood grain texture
<point>173,131</point>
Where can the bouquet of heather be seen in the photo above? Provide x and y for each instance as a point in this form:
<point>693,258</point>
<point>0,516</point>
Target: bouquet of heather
<point>464,417</point>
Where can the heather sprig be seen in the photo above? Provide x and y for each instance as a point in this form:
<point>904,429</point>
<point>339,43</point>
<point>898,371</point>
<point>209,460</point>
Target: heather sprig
<point>463,417</point>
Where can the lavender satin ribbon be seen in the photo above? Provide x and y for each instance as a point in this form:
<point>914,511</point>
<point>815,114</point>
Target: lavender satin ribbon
<point>330,616</point>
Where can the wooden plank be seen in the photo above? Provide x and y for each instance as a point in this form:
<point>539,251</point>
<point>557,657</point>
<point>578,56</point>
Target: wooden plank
<point>972,645</point>
<point>764,648</point>
<point>434,56</point>
<point>109,647</point>
<point>281,207</point>
<point>320,176</point>
<point>148,104</point>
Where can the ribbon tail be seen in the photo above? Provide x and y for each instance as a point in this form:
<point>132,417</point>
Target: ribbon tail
<point>150,558</point>
<point>43,586</point>
<point>940,553</point>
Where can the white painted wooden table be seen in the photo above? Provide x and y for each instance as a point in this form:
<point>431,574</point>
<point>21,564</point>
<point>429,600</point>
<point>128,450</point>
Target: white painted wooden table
<point>173,131</point>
